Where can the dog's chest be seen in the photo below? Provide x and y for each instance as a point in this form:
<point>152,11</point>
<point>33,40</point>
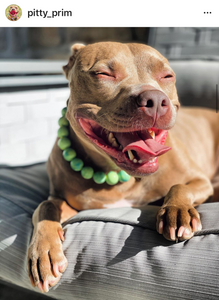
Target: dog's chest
<point>133,195</point>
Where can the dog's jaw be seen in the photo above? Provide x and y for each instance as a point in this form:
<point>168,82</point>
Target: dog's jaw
<point>136,152</point>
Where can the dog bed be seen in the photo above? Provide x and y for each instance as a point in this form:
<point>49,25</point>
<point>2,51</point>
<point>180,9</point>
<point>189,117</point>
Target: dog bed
<point>112,253</point>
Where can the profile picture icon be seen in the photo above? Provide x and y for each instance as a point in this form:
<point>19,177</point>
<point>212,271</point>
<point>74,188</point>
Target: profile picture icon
<point>13,12</point>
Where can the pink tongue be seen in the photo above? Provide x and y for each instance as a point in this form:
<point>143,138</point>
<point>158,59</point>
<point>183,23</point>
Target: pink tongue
<point>147,148</point>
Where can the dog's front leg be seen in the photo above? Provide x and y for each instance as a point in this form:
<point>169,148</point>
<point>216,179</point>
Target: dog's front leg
<point>45,259</point>
<point>177,218</point>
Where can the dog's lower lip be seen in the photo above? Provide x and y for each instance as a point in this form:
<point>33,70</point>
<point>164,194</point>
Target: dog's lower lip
<point>142,159</point>
<point>140,170</point>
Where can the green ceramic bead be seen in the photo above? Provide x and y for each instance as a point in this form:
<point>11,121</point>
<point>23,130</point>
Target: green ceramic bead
<point>69,154</point>
<point>112,178</point>
<point>123,176</point>
<point>87,172</point>
<point>64,143</point>
<point>77,164</point>
<point>64,111</point>
<point>99,177</point>
<point>63,131</point>
<point>63,121</point>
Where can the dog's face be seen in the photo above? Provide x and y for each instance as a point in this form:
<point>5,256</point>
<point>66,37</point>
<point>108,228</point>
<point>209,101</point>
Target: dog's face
<point>13,10</point>
<point>123,100</point>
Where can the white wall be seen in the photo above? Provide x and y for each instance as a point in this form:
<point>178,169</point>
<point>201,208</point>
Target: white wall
<point>29,124</point>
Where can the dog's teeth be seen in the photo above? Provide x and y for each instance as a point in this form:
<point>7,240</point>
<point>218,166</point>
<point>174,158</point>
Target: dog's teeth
<point>114,144</point>
<point>112,140</point>
<point>111,137</point>
<point>152,159</point>
<point>152,133</point>
<point>120,147</point>
<point>131,156</point>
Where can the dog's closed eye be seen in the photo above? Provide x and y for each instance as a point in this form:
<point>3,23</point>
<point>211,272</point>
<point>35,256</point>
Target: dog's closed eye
<point>168,76</point>
<point>103,74</point>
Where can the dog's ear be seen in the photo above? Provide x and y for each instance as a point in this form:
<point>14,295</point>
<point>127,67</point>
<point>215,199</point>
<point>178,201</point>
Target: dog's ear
<point>75,49</point>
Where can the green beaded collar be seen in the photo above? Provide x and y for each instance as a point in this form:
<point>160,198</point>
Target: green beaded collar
<point>77,164</point>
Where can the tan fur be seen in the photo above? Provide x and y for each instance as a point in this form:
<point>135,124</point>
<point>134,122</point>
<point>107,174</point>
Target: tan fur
<point>184,173</point>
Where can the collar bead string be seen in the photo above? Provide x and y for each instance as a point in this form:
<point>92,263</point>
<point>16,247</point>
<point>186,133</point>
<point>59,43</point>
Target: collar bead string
<point>77,164</point>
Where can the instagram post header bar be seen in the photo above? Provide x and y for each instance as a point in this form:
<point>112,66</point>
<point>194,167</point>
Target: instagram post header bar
<point>108,14</point>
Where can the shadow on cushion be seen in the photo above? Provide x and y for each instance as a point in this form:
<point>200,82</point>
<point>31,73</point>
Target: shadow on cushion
<point>112,253</point>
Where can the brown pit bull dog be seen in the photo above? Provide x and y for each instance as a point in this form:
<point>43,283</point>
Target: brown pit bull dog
<point>13,13</point>
<point>122,115</point>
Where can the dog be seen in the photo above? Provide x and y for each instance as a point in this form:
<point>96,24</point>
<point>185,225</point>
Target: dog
<point>123,114</point>
<point>13,13</point>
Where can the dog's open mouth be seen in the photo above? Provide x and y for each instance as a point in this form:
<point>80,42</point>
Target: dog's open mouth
<point>134,151</point>
<point>13,12</point>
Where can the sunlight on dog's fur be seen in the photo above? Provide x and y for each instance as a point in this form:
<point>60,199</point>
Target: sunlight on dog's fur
<point>124,114</point>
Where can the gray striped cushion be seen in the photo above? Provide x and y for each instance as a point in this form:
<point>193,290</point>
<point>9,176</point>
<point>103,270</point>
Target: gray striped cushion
<point>112,253</point>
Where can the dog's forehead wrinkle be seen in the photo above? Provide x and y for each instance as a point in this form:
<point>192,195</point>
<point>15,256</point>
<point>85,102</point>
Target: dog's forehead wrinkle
<point>128,62</point>
<point>107,53</point>
<point>150,63</point>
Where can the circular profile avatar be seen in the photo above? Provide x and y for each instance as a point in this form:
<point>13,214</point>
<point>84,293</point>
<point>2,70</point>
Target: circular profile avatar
<point>13,12</point>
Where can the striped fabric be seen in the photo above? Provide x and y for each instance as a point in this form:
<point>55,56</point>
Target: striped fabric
<point>112,253</point>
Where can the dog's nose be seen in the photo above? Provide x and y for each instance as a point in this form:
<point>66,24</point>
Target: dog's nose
<point>155,103</point>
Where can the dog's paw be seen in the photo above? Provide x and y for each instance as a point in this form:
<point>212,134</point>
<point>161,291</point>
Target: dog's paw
<point>178,222</point>
<point>45,259</point>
